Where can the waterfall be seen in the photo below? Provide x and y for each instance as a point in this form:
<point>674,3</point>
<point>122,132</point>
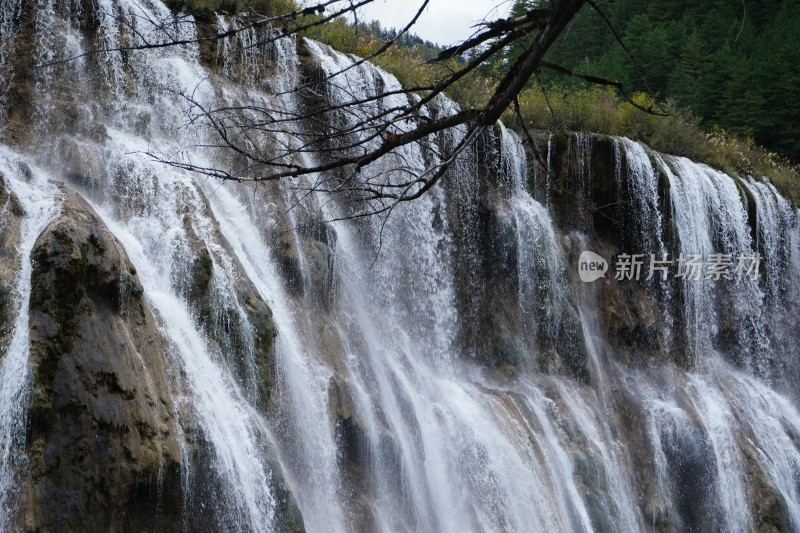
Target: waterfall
<point>236,433</point>
<point>439,369</point>
<point>710,218</point>
<point>775,239</point>
<point>39,202</point>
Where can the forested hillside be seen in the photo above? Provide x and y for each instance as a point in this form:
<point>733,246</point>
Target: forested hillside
<point>736,64</point>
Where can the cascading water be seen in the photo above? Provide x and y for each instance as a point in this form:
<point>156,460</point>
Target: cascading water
<point>775,236</point>
<point>710,218</point>
<point>38,200</point>
<point>440,370</point>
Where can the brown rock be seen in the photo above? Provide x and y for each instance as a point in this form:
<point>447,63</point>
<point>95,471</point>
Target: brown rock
<point>102,441</point>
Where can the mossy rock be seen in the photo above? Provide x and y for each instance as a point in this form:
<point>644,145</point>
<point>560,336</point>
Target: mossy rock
<point>264,333</point>
<point>101,441</point>
<point>6,310</point>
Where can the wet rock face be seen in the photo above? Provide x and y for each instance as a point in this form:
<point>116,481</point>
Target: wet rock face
<point>306,259</point>
<point>516,317</point>
<point>236,334</point>
<point>264,332</point>
<point>102,441</point>
<point>588,192</point>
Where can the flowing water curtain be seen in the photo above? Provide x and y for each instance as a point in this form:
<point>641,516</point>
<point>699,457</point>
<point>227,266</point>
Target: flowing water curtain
<point>710,218</point>
<point>776,243</point>
<point>217,403</point>
<point>40,204</point>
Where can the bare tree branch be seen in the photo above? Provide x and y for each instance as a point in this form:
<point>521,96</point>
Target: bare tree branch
<point>325,130</point>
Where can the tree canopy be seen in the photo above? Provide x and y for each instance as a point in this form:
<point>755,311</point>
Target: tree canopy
<point>734,64</point>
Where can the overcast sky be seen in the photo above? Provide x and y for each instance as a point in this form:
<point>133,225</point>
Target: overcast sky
<point>443,22</point>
